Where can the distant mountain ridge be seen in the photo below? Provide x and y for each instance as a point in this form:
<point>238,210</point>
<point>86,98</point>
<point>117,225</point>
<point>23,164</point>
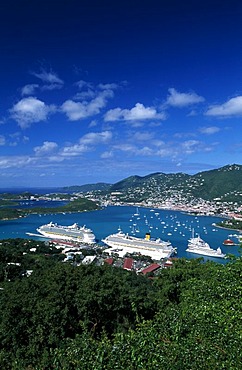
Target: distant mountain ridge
<point>223,184</point>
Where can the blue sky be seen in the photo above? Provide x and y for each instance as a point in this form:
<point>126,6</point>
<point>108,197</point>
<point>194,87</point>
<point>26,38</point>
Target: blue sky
<point>96,91</point>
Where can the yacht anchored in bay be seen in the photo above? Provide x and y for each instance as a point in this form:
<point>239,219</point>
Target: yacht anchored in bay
<point>197,245</point>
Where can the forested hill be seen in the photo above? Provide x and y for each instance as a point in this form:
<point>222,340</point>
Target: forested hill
<point>224,183</point>
<point>91,317</point>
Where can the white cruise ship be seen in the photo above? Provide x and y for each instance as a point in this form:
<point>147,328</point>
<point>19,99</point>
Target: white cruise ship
<point>197,245</point>
<point>123,243</point>
<point>74,233</point>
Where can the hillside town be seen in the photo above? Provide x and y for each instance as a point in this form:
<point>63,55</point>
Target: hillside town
<point>175,201</point>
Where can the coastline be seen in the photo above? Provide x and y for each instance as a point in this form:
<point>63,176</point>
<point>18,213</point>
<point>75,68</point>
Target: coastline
<point>227,228</point>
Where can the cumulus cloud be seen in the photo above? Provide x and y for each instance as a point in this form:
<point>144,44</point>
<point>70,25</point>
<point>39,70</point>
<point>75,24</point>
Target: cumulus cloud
<point>87,143</point>
<point>209,130</point>
<point>79,110</point>
<point>96,137</point>
<point>180,100</point>
<point>30,110</point>
<point>138,112</point>
<point>47,148</point>
<point>75,150</point>
<point>233,107</point>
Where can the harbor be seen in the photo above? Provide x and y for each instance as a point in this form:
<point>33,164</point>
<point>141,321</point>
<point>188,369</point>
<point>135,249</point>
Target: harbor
<point>170,226</point>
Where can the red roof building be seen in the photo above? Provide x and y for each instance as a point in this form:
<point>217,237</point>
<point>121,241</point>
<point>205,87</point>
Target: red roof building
<point>128,264</point>
<point>109,261</point>
<point>151,268</point>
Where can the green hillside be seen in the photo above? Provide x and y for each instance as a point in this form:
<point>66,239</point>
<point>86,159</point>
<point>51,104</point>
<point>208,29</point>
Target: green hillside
<point>224,183</point>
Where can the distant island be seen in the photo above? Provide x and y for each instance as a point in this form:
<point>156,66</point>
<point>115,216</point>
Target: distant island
<point>73,204</point>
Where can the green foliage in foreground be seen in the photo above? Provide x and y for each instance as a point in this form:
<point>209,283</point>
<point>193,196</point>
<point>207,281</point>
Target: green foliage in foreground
<point>88,317</point>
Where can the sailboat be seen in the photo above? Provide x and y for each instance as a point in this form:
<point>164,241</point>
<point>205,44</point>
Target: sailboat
<point>137,212</point>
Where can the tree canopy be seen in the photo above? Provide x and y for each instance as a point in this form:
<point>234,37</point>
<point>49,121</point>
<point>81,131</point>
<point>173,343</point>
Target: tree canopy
<point>102,317</point>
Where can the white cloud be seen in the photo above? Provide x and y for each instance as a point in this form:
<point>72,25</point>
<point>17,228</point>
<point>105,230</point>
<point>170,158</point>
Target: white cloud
<point>180,100</point>
<point>87,94</point>
<point>15,161</point>
<point>96,137</point>
<point>2,140</point>
<point>233,107</point>
<point>46,148</point>
<point>166,152</point>
<point>51,87</point>
<point>194,146</point>
<point>89,91</point>
<point>143,136</point>
<point>209,130</point>
<point>145,151</point>
<point>29,110</point>
<point>134,150</point>
<point>190,146</point>
<point>75,150</point>
<point>125,147</point>
<point>93,123</point>
<point>107,154</point>
<point>87,143</point>
<point>49,77</point>
<point>29,89</point>
<point>138,112</point>
<point>81,84</point>
<point>80,110</point>
<point>110,86</point>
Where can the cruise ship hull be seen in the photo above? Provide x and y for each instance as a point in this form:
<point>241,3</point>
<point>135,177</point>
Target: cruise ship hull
<point>72,233</point>
<point>123,243</point>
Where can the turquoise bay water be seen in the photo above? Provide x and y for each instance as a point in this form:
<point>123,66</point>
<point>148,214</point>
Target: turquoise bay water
<point>168,225</point>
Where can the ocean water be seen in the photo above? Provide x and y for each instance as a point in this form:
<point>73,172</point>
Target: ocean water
<point>168,225</point>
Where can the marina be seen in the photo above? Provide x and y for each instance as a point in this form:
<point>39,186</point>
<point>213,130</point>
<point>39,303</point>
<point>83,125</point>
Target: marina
<point>170,226</point>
